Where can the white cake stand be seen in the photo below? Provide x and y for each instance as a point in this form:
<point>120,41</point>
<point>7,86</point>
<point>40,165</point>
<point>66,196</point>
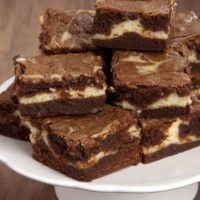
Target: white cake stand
<point>175,177</point>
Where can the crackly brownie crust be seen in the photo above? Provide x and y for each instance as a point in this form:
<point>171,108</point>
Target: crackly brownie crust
<point>70,70</point>
<point>66,31</point>
<point>152,18</point>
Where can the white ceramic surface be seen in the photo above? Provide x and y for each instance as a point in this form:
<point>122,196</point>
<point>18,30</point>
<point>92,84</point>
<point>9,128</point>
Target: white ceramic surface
<point>171,173</point>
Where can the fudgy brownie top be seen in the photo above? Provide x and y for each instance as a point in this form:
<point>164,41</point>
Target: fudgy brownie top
<point>108,122</point>
<point>134,69</point>
<point>146,7</point>
<point>8,101</point>
<point>59,67</point>
<point>185,26</point>
<point>69,29</point>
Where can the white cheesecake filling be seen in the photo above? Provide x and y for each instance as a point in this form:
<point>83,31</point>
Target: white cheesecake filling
<point>144,66</point>
<point>172,134</point>
<point>134,131</point>
<point>173,100</point>
<point>106,130</point>
<point>131,26</point>
<point>54,94</point>
<point>196,92</point>
<point>34,131</point>
<point>193,57</point>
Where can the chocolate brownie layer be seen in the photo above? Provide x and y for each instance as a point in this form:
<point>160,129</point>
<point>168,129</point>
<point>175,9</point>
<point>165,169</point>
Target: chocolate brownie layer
<point>126,156</point>
<point>84,143</point>
<point>164,137</point>
<point>164,112</point>
<point>63,107</point>
<point>65,81</point>
<point>132,40</point>
<point>152,83</point>
<point>139,25</point>
<point>66,31</point>
<point>169,151</point>
<point>10,121</point>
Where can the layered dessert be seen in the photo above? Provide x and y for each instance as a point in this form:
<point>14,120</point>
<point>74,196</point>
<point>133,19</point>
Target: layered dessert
<point>166,137</point>
<point>66,31</point>
<point>60,84</point>
<point>133,24</point>
<point>154,84</point>
<point>89,146</point>
<point>11,124</point>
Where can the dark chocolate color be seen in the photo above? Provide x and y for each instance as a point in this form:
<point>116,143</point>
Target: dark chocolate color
<point>78,25</point>
<point>63,107</point>
<point>127,155</point>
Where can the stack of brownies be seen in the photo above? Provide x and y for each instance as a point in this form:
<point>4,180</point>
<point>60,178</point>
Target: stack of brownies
<point>114,87</point>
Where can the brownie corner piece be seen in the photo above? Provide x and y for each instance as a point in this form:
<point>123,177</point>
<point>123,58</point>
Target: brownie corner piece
<point>137,25</point>
<point>66,31</point>
<point>60,84</point>
<point>166,137</point>
<point>11,124</point>
<point>154,84</point>
<point>89,146</point>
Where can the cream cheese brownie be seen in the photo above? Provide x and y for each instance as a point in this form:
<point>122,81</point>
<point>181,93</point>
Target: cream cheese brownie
<point>11,124</point>
<point>186,30</point>
<point>133,24</point>
<point>60,84</point>
<point>167,137</point>
<point>154,84</point>
<point>66,31</point>
<point>89,146</point>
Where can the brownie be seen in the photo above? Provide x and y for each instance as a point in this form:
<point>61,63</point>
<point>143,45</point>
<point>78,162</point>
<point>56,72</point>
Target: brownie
<point>133,24</point>
<point>166,137</point>
<point>66,31</point>
<point>186,31</point>
<point>60,84</point>
<point>10,121</point>
<point>89,146</point>
<point>154,84</point>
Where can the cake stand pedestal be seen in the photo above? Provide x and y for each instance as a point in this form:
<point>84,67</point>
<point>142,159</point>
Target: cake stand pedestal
<point>186,193</point>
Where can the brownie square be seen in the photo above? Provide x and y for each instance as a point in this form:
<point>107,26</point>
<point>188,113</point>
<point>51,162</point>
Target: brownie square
<point>66,31</point>
<point>166,137</point>
<point>10,122</point>
<point>132,24</point>
<point>60,84</point>
<point>186,31</point>
<point>89,146</point>
<point>153,84</point>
